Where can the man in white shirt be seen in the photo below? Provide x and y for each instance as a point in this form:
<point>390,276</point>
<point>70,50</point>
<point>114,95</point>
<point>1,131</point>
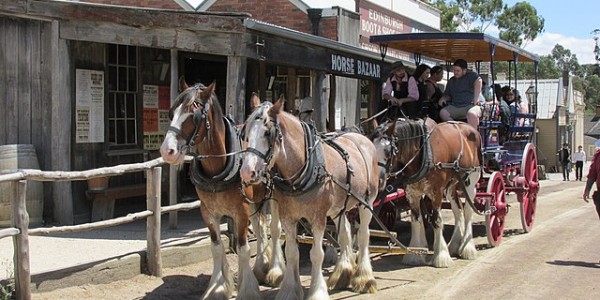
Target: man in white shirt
<point>580,159</point>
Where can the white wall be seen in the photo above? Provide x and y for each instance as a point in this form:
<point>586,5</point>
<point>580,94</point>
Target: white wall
<point>413,9</point>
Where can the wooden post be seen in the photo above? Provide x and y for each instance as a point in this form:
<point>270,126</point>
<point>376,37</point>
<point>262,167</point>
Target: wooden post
<point>20,221</point>
<point>173,170</point>
<point>153,191</point>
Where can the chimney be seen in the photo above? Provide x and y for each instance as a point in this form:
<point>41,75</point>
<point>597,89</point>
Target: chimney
<point>598,110</point>
<point>314,14</point>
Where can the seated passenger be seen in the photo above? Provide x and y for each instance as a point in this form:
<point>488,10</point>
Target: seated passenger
<point>462,95</point>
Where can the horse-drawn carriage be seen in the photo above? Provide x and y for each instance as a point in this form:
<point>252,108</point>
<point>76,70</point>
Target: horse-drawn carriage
<point>508,150</point>
<point>312,176</point>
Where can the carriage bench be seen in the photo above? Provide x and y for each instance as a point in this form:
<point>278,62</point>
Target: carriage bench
<point>103,201</point>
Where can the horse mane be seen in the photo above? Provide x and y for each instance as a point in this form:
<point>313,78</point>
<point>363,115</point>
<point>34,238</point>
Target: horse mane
<point>188,96</point>
<point>410,137</point>
<point>261,112</point>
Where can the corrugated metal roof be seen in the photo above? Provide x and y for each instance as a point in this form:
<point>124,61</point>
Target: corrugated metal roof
<point>550,94</point>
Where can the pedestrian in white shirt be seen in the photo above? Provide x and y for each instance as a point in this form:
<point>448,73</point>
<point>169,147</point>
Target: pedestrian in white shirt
<point>580,159</point>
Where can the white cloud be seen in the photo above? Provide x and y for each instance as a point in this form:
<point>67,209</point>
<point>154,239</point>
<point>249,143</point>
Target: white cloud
<point>545,42</point>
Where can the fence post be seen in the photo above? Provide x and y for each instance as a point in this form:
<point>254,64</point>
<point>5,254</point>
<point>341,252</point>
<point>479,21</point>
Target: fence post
<point>21,241</point>
<point>153,192</point>
<point>173,193</point>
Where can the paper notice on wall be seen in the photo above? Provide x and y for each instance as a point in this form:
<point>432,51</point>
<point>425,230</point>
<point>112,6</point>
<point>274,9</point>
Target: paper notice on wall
<point>150,96</point>
<point>89,106</point>
<point>153,140</point>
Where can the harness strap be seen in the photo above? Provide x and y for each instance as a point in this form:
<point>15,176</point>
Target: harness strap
<point>229,175</point>
<point>311,174</point>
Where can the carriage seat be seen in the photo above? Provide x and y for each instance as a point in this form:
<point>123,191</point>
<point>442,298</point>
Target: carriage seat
<point>103,201</point>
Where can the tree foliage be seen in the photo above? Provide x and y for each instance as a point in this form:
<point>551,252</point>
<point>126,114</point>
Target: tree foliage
<point>520,23</point>
<point>564,59</point>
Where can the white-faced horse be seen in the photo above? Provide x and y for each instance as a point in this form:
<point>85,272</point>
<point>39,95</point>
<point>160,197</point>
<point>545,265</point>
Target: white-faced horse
<point>199,128</point>
<point>314,177</point>
<point>431,160</point>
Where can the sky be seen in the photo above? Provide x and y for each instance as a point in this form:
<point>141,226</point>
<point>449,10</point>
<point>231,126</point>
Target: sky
<point>568,23</point>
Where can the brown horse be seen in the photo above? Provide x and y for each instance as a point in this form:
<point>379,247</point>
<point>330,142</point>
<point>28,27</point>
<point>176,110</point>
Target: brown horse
<point>199,125</point>
<point>430,160</point>
<point>314,177</point>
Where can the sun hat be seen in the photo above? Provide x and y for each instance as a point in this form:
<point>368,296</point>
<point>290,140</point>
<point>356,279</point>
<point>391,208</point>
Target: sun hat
<point>397,65</point>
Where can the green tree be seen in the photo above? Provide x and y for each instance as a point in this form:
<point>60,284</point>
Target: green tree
<point>519,23</point>
<point>564,59</point>
<point>547,68</point>
<point>592,92</point>
<point>448,11</point>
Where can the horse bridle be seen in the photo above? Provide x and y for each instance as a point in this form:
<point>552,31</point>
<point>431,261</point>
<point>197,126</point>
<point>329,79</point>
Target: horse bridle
<point>273,134</point>
<point>199,116</point>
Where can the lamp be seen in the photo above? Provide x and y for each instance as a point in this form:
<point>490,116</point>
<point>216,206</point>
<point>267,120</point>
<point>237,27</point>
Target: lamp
<point>530,93</point>
<point>160,66</point>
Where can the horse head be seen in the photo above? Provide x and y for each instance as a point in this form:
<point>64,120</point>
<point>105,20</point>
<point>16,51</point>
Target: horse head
<point>386,150</point>
<point>192,114</point>
<point>261,137</point>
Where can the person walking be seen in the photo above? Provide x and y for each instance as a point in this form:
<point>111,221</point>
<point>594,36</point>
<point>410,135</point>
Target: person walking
<point>579,158</point>
<point>594,177</point>
<point>565,160</point>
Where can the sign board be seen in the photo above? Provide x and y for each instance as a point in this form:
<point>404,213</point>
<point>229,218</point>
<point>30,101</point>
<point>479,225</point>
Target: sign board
<point>89,106</point>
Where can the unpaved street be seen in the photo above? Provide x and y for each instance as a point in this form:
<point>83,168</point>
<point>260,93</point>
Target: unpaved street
<point>559,259</point>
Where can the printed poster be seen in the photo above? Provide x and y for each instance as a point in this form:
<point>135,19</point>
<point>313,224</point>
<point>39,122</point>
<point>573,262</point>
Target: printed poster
<point>157,102</point>
<point>89,106</point>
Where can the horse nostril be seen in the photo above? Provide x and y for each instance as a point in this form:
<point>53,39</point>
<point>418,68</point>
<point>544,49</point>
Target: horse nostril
<point>253,174</point>
<point>171,152</point>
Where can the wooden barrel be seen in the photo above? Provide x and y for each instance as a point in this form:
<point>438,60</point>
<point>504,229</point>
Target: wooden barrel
<point>13,157</point>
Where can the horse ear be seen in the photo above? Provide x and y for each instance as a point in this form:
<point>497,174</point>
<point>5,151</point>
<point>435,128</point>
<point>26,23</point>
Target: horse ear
<point>182,84</point>
<point>277,107</point>
<point>208,91</point>
<point>254,101</point>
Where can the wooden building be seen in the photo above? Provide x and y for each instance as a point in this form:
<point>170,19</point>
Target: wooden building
<point>90,85</point>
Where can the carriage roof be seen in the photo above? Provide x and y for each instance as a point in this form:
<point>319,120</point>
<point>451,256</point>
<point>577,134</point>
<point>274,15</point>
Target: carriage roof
<point>449,46</point>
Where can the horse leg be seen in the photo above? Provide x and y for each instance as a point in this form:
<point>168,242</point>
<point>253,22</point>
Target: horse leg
<point>417,229</point>
<point>263,252</point>
<point>458,233</point>
<point>340,278</point>
<point>277,267</point>
<point>220,285</point>
<point>467,248</point>
<point>291,288</point>
<point>363,280</point>
<point>318,287</point>
<point>248,285</point>
<point>441,256</point>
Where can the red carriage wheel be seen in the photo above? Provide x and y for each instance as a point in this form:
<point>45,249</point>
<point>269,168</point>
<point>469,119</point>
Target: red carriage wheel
<point>531,186</point>
<point>495,209</point>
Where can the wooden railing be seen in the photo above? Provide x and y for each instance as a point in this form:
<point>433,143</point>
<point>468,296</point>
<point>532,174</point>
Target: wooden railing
<point>20,218</point>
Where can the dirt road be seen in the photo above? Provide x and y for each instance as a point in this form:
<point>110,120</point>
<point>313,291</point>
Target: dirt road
<point>557,260</point>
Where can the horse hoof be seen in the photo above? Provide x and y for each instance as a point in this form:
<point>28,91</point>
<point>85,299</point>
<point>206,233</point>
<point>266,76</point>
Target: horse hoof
<point>368,286</point>
<point>274,277</point>
<point>414,260</point>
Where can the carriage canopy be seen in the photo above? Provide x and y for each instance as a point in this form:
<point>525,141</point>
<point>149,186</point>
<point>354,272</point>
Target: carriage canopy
<point>450,46</point>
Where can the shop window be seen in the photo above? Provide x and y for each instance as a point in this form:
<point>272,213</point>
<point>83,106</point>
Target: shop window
<point>122,95</point>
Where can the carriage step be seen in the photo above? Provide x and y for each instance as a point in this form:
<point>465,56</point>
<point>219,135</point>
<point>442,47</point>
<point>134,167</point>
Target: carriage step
<point>398,250</point>
<point>381,233</point>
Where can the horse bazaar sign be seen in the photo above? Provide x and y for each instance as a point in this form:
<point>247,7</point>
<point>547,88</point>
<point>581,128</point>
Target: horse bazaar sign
<point>354,66</point>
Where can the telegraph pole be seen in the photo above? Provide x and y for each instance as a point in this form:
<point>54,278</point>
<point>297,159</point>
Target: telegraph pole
<point>596,34</point>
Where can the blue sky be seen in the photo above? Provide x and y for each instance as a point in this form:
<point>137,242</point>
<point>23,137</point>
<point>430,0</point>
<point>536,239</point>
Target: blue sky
<point>568,23</point>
